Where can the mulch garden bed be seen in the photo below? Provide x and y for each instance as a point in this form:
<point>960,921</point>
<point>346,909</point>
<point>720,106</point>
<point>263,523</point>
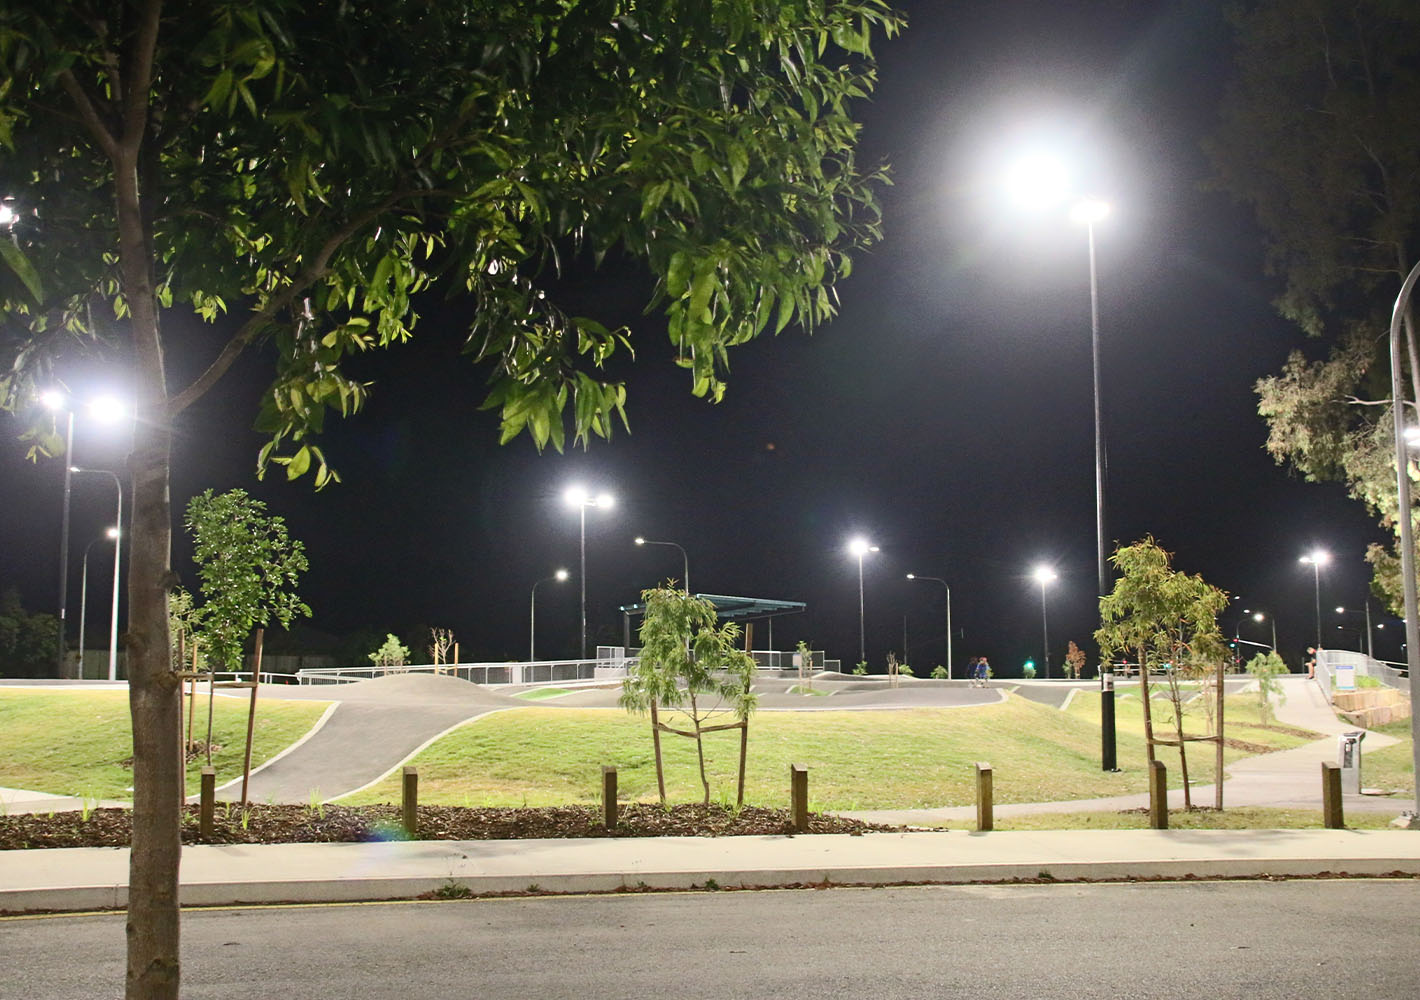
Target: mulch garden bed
<point>299,824</point>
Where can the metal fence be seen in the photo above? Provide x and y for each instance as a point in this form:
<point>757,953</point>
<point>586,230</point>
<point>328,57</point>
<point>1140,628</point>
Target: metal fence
<point>536,672</point>
<point>1387,673</point>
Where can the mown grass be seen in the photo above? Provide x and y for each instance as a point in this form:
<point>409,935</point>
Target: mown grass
<point>538,694</point>
<point>857,760</point>
<point>1391,768</point>
<point>73,742</point>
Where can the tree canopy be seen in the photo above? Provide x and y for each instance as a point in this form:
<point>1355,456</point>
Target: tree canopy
<point>249,567</point>
<point>295,172</point>
<point>308,168</point>
<point>1317,137</point>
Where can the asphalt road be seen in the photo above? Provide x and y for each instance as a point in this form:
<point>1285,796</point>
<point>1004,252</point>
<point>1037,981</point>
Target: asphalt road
<point>1223,940</point>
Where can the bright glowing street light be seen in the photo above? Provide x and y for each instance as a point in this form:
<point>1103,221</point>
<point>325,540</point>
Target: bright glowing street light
<point>1038,181</point>
<point>8,216</point>
<point>859,547</point>
<point>1317,558</point>
<point>577,496</point>
<point>107,410</point>
<point>1042,181</point>
<point>685,559</point>
<point>1044,576</point>
<point>560,576</point>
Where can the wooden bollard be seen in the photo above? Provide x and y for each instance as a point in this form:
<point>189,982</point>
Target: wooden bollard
<point>1158,796</point>
<point>799,797</point>
<point>411,800</point>
<point>208,803</point>
<point>609,796</point>
<point>1331,812</point>
<point>984,819</point>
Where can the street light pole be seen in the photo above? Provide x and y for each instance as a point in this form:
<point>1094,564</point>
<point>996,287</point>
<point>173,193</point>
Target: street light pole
<point>1089,213</point>
<point>1317,558</point>
<point>559,576</point>
<point>1044,575</point>
<point>861,547</point>
<point>117,550</point>
<point>53,401</point>
<point>685,559</point>
<point>1403,504</point>
<point>112,533</point>
<point>938,579</point>
<point>578,497</point>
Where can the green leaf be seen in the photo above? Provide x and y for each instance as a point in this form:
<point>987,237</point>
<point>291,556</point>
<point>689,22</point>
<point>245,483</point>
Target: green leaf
<point>16,260</point>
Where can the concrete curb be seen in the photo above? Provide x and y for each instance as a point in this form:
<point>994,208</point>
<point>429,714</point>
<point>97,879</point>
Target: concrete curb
<point>95,878</point>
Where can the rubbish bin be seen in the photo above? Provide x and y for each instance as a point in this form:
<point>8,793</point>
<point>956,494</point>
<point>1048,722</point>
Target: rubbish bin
<point>1348,757</point>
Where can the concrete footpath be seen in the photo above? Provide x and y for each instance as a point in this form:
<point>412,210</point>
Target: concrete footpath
<point>96,878</point>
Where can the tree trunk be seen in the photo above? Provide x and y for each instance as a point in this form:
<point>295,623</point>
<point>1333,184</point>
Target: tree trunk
<point>154,693</point>
<point>656,742</point>
<point>699,747</point>
<point>155,705</point>
<point>1182,745</point>
<point>1148,712</point>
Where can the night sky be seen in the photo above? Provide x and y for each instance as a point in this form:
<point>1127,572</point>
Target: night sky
<point>945,415</point>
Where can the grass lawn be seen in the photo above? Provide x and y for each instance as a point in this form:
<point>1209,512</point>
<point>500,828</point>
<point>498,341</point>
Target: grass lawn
<point>856,760</point>
<point>71,742</point>
<point>1394,767</point>
<point>538,694</point>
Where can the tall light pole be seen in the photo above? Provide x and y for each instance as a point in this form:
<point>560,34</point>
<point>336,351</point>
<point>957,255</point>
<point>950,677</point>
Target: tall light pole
<point>1044,576</point>
<point>112,535</point>
<point>106,409</point>
<point>577,496</point>
<point>1317,558</point>
<point>559,576</point>
<point>685,581</point>
<point>860,547</point>
<point>1404,510</point>
<point>1087,213</point>
<point>117,548</point>
<point>938,579</point>
<point>56,402</point>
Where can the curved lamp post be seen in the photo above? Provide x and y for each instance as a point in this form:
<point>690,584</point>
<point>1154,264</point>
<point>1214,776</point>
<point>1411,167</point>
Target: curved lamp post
<point>107,409</point>
<point>117,548</point>
<point>1044,576</point>
<point>559,576</point>
<point>1404,509</point>
<point>577,496</point>
<point>685,581</point>
<point>938,579</point>
<point>860,547</point>
<point>112,535</point>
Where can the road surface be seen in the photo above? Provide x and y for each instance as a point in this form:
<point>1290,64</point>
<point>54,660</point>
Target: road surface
<point>1338,940</point>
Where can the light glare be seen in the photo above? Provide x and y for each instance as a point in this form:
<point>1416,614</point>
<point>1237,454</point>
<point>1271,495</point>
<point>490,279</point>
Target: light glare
<point>1043,575</point>
<point>1089,211</point>
<point>1037,181</point>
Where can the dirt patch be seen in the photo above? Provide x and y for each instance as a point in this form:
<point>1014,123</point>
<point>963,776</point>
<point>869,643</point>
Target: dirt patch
<point>295,824</point>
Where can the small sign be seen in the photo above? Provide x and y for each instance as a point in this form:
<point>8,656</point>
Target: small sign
<point>1346,677</point>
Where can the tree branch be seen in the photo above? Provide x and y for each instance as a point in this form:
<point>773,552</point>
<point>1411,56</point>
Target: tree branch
<point>89,115</point>
<point>135,95</point>
<point>248,331</point>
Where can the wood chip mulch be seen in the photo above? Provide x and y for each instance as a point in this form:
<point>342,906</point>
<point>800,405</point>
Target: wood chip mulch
<point>298,824</point>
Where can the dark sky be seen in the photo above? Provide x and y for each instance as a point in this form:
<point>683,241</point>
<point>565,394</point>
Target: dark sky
<point>946,414</point>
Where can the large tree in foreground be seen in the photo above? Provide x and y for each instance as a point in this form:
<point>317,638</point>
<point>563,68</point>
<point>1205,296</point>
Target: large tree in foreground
<point>299,169</point>
<point>1318,137</point>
